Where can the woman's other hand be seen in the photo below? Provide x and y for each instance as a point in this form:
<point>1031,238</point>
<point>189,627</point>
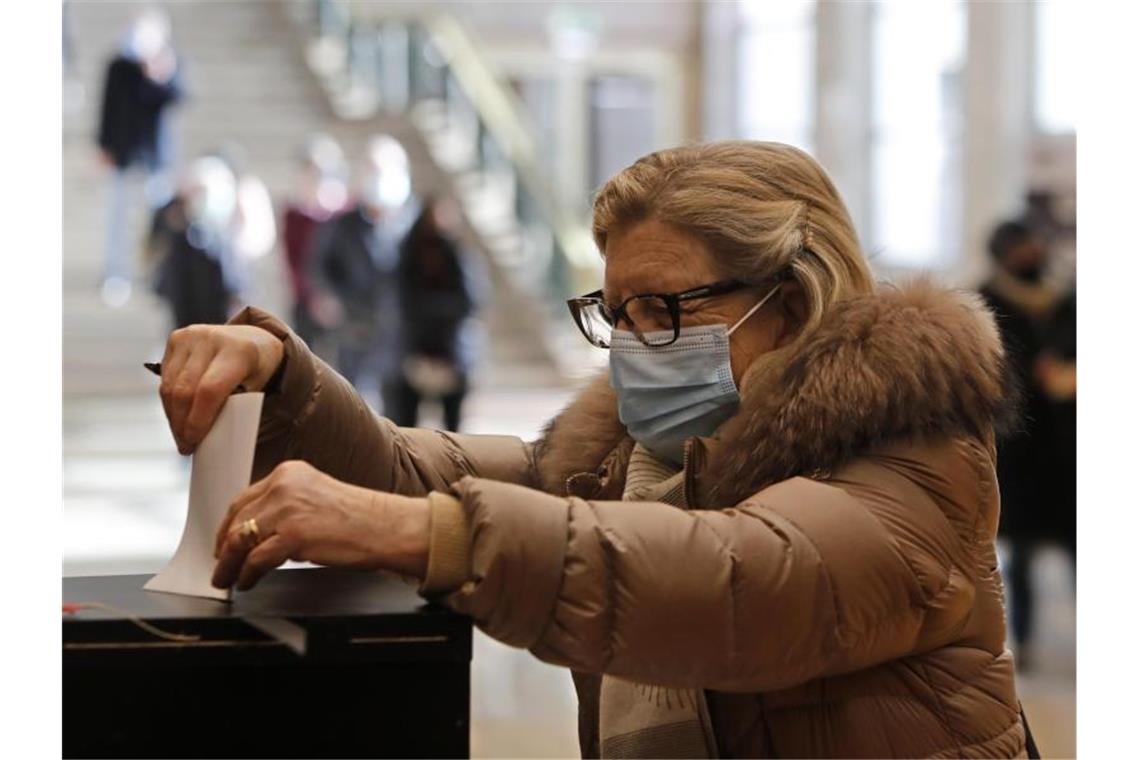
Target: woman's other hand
<point>303,514</point>
<point>203,365</point>
<point>1056,376</point>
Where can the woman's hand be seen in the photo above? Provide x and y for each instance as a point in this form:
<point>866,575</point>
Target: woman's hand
<point>303,514</point>
<point>1056,376</point>
<point>203,365</point>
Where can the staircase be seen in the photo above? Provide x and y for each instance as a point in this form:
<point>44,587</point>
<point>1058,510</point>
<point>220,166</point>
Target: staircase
<point>124,486</point>
<point>247,83</point>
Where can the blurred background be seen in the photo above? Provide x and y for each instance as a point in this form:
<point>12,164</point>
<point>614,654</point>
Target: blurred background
<point>409,184</point>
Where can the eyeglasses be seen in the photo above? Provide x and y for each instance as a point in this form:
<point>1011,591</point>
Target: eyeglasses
<point>655,318</point>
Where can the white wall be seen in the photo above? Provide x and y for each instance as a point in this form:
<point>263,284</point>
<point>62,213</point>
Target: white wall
<point>997,120</point>
<point>998,124</point>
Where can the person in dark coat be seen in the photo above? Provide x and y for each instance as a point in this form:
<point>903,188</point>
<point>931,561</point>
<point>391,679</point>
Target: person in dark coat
<point>142,83</point>
<point>354,265</point>
<point>1056,373</point>
<point>439,288</point>
<point>1022,304</point>
<point>320,195</point>
<point>197,272</point>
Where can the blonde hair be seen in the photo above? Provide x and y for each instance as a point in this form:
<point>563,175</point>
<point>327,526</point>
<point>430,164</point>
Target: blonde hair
<point>763,208</point>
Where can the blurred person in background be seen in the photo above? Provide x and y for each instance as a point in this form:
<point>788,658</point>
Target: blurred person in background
<point>319,194</point>
<point>1023,303</point>
<point>767,531</point>
<point>355,257</point>
<point>192,246</point>
<point>439,289</point>
<point>1056,373</point>
<point>254,226</point>
<point>142,83</point>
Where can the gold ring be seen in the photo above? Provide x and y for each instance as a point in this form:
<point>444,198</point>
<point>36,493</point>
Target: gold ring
<point>249,528</point>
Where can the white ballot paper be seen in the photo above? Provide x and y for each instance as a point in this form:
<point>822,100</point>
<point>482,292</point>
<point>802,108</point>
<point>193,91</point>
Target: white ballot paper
<point>223,463</point>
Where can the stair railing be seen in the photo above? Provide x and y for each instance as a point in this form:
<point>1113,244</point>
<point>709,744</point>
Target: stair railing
<point>426,65</point>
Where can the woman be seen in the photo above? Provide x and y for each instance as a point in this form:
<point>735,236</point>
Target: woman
<point>353,264</point>
<point>436,282</point>
<point>771,534</point>
<point>1022,301</point>
<point>197,270</point>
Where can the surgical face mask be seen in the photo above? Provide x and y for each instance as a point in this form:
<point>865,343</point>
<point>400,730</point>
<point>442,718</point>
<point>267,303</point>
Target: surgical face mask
<point>1030,274</point>
<point>669,394</point>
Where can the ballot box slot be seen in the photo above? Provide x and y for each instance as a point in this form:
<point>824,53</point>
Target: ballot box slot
<point>398,639</point>
<point>167,644</point>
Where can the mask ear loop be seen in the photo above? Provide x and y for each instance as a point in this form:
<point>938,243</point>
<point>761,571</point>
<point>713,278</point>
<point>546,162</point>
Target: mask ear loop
<point>753,310</point>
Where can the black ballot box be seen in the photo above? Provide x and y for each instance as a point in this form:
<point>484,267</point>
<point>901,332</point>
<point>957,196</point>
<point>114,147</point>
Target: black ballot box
<point>380,673</point>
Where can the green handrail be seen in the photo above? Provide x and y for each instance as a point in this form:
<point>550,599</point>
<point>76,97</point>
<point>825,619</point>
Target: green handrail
<point>575,263</point>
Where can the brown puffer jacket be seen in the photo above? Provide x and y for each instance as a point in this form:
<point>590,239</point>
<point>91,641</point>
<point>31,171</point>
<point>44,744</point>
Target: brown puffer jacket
<point>833,586</point>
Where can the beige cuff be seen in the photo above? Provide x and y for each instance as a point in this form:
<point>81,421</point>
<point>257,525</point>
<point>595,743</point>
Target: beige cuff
<point>449,546</point>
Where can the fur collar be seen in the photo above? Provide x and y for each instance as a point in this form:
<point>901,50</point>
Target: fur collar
<point>909,362</point>
<point>580,437</point>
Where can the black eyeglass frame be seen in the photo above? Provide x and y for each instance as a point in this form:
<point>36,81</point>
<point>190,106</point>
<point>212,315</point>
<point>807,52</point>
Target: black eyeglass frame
<point>672,302</point>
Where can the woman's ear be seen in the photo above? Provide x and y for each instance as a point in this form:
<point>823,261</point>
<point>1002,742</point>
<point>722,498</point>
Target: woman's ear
<point>794,309</point>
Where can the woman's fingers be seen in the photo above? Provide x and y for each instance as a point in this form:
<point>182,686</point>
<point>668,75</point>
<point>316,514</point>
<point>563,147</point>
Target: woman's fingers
<point>270,553</point>
<point>237,545</point>
<point>247,497</point>
<point>212,388</point>
<point>241,548</point>
<point>175,345</point>
<point>179,392</point>
<point>178,350</point>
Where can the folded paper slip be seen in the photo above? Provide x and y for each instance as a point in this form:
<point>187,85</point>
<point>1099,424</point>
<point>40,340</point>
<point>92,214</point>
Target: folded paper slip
<point>221,468</point>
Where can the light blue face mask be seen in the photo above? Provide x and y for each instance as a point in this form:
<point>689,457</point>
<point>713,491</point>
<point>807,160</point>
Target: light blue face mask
<point>669,394</point>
